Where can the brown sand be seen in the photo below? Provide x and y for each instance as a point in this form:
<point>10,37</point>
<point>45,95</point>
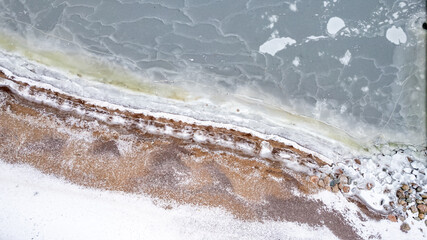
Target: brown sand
<point>98,154</point>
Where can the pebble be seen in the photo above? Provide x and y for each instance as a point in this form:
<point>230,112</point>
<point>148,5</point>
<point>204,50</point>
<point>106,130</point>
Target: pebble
<point>314,179</point>
<point>405,187</point>
<point>424,196</point>
<point>405,227</point>
<point>419,189</point>
<point>343,179</point>
<point>382,175</point>
<point>321,183</point>
<point>346,189</point>
<point>421,216</point>
<point>400,193</point>
<point>422,208</point>
<point>335,189</point>
<point>327,180</point>
<point>419,201</point>
<point>417,165</point>
<point>413,209</point>
<point>369,186</point>
<point>402,202</point>
<point>333,183</point>
<point>392,218</point>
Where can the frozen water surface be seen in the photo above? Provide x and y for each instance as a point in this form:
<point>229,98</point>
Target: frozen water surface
<point>337,78</point>
<point>358,66</point>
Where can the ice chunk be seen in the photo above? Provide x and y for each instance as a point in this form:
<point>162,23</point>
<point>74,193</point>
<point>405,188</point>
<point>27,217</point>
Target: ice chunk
<point>346,58</point>
<point>335,24</point>
<point>396,35</point>
<point>275,45</point>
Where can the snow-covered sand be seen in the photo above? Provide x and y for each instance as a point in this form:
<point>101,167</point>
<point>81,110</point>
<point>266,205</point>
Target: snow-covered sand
<point>36,206</point>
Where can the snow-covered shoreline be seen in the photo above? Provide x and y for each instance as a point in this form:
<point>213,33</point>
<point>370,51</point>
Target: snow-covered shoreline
<point>34,205</point>
<point>386,169</point>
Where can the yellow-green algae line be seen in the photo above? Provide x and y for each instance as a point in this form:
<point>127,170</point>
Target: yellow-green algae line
<point>93,68</point>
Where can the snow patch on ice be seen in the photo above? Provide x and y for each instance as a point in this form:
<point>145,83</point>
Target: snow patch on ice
<point>296,61</point>
<point>396,35</point>
<point>275,45</point>
<point>293,7</point>
<point>335,24</point>
<point>273,19</point>
<point>345,60</point>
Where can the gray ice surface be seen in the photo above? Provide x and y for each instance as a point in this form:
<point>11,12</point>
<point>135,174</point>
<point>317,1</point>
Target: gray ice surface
<point>370,70</point>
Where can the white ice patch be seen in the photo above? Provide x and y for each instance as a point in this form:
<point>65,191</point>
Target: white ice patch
<point>296,61</point>
<point>396,35</point>
<point>346,58</point>
<point>275,34</point>
<point>293,7</point>
<point>273,19</point>
<point>314,38</point>
<point>275,45</point>
<point>396,15</point>
<point>365,89</point>
<point>335,24</point>
<point>266,149</point>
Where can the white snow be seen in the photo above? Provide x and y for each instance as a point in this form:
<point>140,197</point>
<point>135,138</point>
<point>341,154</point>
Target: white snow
<point>293,7</point>
<point>396,35</point>
<point>266,149</point>
<point>37,206</point>
<point>365,89</point>
<point>275,45</point>
<point>346,58</point>
<point>314,38</point>
<point>335,24</point>
<point>395,15</point>
<point>275,34</point>
<point>273,19</point>
<point>296,61</point>
<point>383,229</point>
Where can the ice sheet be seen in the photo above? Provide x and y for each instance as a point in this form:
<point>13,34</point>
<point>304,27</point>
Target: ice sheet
<point>188,50</point>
